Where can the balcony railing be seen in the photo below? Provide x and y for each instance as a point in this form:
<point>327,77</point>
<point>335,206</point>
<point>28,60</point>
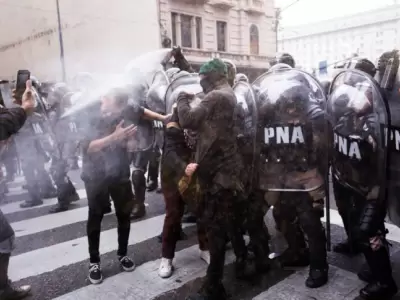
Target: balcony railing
<point>241,60</point>
<point>256,7</point>
<point>222,4</point>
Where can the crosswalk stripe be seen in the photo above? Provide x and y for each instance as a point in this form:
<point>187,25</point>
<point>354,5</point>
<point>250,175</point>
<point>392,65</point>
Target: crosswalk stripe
<point>15,206</point>
<point>50,221</point>
<point>48,259</point>
<point>144,283</point>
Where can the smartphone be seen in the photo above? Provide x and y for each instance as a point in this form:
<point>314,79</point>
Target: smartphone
<point>22,77</point>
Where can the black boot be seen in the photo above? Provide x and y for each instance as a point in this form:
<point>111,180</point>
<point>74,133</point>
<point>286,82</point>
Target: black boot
<point>210,292</point>
<point>347,248</point>
<point>59,207</point>
<point>152,186</point>
<point>291,259</point>
<point>242,269</point>
<point>31,203</point>
<point>383,287</point>
<point>365,274</point>
<point>139,186</point>
<point>317,278</point>
<point>189,218</point>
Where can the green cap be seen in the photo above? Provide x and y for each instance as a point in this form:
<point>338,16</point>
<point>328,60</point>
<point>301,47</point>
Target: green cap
<point>216,65</point>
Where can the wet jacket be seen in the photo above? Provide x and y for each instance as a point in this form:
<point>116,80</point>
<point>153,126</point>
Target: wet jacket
<point>216,147</point>
<point>11,120</point>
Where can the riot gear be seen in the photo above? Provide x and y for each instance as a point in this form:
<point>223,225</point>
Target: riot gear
<point>292,161</point>
<point>285,58</point>
<point>231,71</point>
<point>241,77</point>
<point>358,115</point>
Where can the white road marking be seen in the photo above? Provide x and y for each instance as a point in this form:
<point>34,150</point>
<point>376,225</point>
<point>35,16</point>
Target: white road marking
<point>144,283</point>
<point>48,259</point>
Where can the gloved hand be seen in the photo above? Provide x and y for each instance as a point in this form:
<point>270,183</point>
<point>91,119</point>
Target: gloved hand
<point>183,96</point>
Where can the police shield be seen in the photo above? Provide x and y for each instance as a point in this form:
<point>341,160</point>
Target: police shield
<point>189,83</point>
<point>246,124</point>
<point>357,117</point>
<point>156,102</point>
<point>390,83</point>
<point>291,133</point>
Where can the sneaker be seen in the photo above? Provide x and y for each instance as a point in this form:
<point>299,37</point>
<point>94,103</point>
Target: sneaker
<point>165,270</point>
<point>205,255</point>
<point>127,264</point>
<point>95,275</point>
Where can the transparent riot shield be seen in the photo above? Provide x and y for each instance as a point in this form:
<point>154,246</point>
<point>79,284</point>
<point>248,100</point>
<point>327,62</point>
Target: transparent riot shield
<point>247,126</point>
<point>156,102</point>
<point>291,135</point>
<point>189,83</point>
<point>357,117</point>
<point>156,94</point>
<point>390,83</point>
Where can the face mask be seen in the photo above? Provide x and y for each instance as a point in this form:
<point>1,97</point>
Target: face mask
<point>206,85</point>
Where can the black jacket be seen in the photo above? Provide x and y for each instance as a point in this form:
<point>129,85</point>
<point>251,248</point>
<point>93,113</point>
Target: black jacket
<point>11,120</point>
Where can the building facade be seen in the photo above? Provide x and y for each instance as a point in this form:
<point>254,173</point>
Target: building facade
<point>101,37</point>
<point>366,34</point>
<point>239,30</point>
<point>98,37</point>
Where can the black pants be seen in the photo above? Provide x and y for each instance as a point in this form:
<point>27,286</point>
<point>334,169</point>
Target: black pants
<point>154,164</point>
<point>219,217</point>
<point>350,206</point>
<point>4,261</point>
<point>98,196</point>
<point>65,188</point>
<point>300,206</point>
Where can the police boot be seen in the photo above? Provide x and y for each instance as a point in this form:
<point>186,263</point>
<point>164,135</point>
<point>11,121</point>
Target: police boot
<point>383,287</point>
<point>210,292</point>
<point>7,290</point>
<point>348,248</point>
<point>365,274</point>
<point>317,277</point>
<point>139,186</point>
<point>295,259</point>
<point>152,185</point>
<point>242,269</point>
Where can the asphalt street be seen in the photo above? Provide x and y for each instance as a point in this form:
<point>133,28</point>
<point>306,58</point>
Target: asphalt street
<point>51,255</point>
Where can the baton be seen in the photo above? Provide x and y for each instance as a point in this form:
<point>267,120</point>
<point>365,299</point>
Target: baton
<point>327,212</point>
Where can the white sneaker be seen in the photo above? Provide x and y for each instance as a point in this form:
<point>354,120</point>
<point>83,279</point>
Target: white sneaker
<point>166,268</point>
<point>205,255</point>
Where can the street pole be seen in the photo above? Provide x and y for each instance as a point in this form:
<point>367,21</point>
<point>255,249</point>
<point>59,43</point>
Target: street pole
<point>60,37</point>
<point>278,13</point>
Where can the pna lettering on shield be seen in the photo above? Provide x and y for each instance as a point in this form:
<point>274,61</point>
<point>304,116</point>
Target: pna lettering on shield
<point>347,146</point>
<point>284,135</point>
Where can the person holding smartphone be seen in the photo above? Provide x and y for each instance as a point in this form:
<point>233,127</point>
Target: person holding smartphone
<point>11,120</point>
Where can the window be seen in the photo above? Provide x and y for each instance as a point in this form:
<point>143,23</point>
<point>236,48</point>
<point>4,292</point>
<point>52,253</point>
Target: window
<point>186,31</point>
<point>174,19</point>
<point>221,36</point>
<point>199,32</point>
<point>254,40</point>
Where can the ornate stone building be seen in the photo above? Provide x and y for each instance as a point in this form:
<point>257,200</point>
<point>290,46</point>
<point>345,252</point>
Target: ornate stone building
<point>240,30</point>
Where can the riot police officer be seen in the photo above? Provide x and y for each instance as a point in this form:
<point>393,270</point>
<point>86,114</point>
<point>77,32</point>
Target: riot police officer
<point>358,115</point>
<point>350,207</point>
<point>292,162</point>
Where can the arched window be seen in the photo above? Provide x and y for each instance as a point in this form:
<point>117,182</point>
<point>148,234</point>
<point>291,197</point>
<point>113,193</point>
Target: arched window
<point>254,40</point>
